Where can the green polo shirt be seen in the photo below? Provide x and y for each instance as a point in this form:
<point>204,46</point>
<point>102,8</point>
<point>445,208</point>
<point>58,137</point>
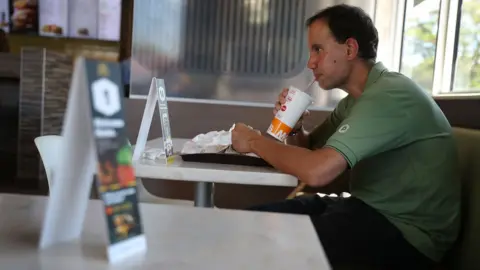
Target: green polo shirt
<point>402,156</point>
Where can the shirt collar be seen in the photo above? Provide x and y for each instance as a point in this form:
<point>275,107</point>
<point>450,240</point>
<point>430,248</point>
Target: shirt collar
<point>375,73</point>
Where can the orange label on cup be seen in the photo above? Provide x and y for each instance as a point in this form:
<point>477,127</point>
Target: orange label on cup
<point>278,129</point>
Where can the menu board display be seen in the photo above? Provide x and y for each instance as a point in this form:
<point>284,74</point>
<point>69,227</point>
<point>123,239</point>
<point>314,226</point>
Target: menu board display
<point>4,18</point>
<point>109,19</point>
<point>53,17</point>
<point>92,19</point>
<point>83,18</point>
<point>24,16</point>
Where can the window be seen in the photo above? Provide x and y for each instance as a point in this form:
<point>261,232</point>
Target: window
<point>245,51</point>
<point>441,45</point>
<point>467,66</point>
<point>420,41</point>
<point>225,51</point>
<point>235,50</point>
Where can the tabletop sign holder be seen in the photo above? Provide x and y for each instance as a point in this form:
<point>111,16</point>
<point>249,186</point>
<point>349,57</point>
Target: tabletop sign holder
<point>94,138</point>
<point>156,94</point>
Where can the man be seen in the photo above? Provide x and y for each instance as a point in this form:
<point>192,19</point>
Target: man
<point>391,135</point>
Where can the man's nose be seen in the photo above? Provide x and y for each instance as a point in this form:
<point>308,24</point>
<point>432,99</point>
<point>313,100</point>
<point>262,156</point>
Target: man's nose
<point>312,62</point>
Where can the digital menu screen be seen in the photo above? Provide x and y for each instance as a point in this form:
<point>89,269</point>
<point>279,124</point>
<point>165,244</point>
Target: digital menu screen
<point>109,19</point>
<point>91,19</point>
<point>53,17</point>
<point>83,18</point>
<point>24,16</point>
<point>4,15</point>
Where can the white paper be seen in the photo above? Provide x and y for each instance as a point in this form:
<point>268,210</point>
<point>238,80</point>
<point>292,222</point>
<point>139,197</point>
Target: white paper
<point>153,153</point>
<point>212,142</point>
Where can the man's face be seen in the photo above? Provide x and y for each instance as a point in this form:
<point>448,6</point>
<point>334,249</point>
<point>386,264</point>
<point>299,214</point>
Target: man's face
<point>329,60</point>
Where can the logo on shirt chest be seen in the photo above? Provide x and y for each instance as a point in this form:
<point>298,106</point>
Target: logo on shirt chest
<point>343,128</point>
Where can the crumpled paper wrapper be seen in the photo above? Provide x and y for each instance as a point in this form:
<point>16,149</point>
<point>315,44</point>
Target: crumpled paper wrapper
<point>212,142</point>
<point>153,153</point>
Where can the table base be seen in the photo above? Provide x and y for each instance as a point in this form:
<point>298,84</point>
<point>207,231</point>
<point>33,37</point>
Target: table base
<point>204,194</point>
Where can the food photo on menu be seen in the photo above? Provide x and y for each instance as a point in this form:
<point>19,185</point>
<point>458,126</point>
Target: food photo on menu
<point>4,18</point>
<point>83,19</point>
<point>53,17</point>
<point>24,18</point>
<point>52,29</point>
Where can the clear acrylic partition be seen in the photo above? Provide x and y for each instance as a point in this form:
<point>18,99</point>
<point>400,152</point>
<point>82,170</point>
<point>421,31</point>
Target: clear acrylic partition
<point>225,51</point>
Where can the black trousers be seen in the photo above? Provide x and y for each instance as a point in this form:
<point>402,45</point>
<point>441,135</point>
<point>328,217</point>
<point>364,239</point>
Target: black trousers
<point>353,233</point>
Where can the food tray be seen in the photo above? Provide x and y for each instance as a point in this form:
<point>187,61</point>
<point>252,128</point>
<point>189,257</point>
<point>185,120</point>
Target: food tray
<point>223,158</point>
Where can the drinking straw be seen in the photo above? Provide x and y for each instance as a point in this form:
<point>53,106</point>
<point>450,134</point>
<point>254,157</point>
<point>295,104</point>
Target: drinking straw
<point>302,185</point>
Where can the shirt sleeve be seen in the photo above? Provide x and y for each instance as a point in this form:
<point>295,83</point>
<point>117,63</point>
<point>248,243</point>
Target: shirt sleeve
<point>376,124</point>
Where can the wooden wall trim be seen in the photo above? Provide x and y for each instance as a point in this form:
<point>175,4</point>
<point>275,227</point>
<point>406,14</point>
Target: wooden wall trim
<point>126,30</point>
<point>463,113</point>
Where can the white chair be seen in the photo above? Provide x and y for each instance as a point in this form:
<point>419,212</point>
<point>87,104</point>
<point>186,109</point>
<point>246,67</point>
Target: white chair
<point>48,147</point>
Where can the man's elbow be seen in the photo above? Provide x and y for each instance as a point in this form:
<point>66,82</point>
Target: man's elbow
<point>313,179</point>
<point>322,171</point>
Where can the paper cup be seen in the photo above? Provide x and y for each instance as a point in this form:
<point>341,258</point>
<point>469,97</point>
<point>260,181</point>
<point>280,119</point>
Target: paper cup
<point>296,104</point>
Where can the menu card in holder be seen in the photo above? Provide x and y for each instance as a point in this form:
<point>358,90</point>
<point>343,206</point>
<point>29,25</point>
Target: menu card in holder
<point>156,95</point>
<point>94,138</point>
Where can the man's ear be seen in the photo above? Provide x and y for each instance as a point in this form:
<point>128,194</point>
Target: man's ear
<point>352,48</point>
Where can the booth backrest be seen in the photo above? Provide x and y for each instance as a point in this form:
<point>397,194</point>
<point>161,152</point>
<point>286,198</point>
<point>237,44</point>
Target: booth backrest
<point>466,252</point>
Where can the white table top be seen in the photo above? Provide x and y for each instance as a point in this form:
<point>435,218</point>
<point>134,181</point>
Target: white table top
<point>178,237</point>
<point>208,172</point>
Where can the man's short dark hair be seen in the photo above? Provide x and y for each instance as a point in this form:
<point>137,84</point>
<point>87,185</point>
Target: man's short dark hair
<point>346,22</point>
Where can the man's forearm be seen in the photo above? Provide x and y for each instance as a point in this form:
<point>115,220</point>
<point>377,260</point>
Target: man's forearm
<point>315,168</point>
<point>301,139</point>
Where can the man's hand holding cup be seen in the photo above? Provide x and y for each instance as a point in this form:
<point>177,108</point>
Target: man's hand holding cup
<point>282,98</point>
<point>290,120</point>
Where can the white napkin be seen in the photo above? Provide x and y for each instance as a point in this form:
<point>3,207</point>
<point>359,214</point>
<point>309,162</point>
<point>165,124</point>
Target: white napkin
<point>153,153</point>
<point>212,142</point>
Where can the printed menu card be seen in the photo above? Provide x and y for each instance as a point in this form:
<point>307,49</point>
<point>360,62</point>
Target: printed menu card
<point>94,141</point>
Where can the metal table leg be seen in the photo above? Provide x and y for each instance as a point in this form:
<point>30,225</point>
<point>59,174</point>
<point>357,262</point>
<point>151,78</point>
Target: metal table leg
<point>204,192</point>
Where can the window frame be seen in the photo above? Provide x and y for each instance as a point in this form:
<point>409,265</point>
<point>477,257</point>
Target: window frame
<point>446,48</point>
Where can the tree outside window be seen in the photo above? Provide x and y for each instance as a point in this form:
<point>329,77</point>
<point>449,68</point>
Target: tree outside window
<point>420,39</point>
<point>467,68</point>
